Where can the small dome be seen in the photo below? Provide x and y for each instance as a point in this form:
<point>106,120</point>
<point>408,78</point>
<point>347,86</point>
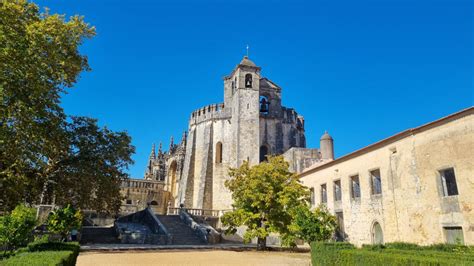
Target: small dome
<point>326,136</point>
<point>247,62</point>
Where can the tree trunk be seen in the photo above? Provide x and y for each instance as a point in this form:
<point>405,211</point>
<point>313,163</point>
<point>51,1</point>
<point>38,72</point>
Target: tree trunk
<point>261,243</point>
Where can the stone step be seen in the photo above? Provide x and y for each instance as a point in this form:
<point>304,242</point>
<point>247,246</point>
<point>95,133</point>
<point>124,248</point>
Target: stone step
<point>182,233</point>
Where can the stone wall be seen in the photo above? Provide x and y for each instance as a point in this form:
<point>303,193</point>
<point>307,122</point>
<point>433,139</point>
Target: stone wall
<point>412,206</point>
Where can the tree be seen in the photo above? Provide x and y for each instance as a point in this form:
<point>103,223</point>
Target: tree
<point>89,175</point>
<point>16,229</point>
<point>39,60</point>
<point>266,197</point>
<point>317,225</point>
<point>63,220</point>
<point>46,156</point>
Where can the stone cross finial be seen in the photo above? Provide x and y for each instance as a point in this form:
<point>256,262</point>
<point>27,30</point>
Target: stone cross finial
<point>160,149</point>
<point>171,143</point>
<point>248,50</point>
<point>183,139</point>
<point>153,154</point>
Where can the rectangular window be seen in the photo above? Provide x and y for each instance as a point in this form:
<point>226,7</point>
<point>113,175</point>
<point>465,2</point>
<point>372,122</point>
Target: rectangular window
<point>454,235</point>
<point>129,201</point>
<point>448,180</point>
<point>376,182</point>
<point>324,194</point>
<point>311,191</point>
<point>337,190</point>
<point>355,187</point>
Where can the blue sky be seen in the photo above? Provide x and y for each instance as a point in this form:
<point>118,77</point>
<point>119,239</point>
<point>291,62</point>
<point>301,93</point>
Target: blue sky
<point>363,70</point>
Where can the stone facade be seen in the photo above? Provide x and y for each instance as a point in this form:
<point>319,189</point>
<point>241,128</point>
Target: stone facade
<point>416,186</point>
<point>250,124</point>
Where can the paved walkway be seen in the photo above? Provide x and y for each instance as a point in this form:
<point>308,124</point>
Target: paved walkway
<point>192,257</point>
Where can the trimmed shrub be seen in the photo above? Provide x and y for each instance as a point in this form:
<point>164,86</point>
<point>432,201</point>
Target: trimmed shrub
<point>65,258</point>
<point>391,254</point>
<point>325,253</point>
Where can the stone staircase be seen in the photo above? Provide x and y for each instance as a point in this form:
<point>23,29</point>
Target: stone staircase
<point>99,235</point>
<point>182,233</point>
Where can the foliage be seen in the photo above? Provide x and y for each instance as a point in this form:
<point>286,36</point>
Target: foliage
<point>317,225</point>
<point>43,153</point>
<point>65,258</point>
<point>94,165</point>
<point>39,59</point>
<point>346,254</point>
<point>16,229</point>
<point>63,220</point>
<point>266,197</point>
<point>45,245</point>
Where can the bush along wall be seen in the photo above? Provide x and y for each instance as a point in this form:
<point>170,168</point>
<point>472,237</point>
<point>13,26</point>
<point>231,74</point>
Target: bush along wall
<point>390,254</point>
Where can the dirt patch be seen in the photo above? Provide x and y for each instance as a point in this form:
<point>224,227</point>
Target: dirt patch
<point>169,257</point>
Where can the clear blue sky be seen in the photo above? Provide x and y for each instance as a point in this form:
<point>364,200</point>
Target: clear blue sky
<point>363,70</point>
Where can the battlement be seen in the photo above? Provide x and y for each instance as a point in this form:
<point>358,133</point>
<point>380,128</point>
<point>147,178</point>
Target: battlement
<point>291,116</point>
<point>209,112</point>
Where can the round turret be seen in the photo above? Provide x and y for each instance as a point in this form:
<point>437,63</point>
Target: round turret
<point>327,146</point>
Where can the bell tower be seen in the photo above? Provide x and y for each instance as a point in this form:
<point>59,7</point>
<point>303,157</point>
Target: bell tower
<point>243,97</point>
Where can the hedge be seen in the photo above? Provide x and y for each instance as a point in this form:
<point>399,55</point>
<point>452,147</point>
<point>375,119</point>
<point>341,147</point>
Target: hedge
<point>43,252</point>
<point>46,258</point>
<point>338,254</point>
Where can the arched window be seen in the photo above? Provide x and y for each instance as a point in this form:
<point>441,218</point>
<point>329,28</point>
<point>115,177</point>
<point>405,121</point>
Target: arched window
<point>219,152</point>
<point>377,234</point>
<point>154,202</point>
<point>264,105</point>
<point>248,81</point>
<point>263,153</point>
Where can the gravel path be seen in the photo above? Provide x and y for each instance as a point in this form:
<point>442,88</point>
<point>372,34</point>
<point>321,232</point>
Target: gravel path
<point>179,257</point>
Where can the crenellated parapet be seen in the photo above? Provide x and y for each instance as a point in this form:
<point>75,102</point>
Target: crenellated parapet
<point>290,116</point>
<point>208,113</point>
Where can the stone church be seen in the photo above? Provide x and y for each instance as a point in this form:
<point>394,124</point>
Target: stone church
<point>250,124</point>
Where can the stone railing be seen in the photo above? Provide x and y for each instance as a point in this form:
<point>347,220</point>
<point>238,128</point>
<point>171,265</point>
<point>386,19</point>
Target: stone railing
<point>207,233</point>
<point>197,212</point>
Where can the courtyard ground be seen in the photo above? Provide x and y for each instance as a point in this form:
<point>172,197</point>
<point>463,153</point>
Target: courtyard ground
<point>180,257</point>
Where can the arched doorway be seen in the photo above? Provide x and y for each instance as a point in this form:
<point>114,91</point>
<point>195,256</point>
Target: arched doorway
<point>263,153</point>
<point>172,178</point>
<point>377,234</point>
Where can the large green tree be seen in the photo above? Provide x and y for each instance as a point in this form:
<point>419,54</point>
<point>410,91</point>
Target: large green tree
<point>266,198</point>
<point>42,151</point>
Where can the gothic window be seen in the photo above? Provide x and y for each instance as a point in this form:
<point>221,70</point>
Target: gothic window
<point>264,105</point>
<point>219,152</point>
<point>311,191</point>
<point>248,81</point>
<point>263,153</point>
